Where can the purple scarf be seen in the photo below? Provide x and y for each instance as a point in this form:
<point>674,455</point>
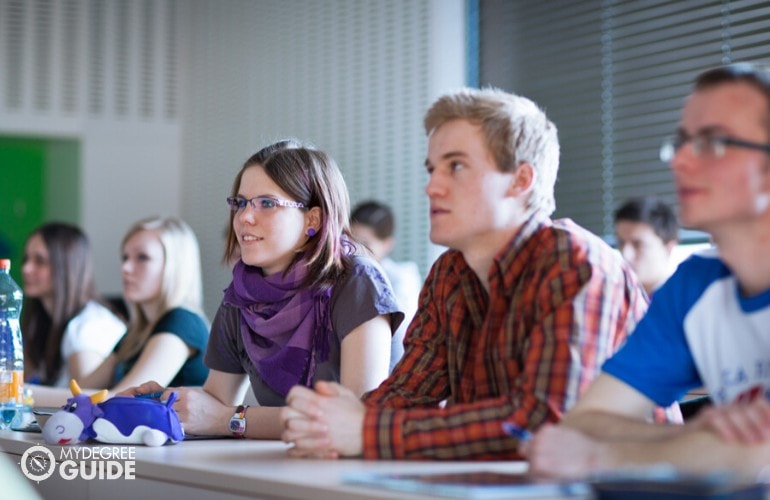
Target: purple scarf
<point>285,327</point>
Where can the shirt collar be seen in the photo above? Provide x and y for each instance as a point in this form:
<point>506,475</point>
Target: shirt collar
<point>508,263</point>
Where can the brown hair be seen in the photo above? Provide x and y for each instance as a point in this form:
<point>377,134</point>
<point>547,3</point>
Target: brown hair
<point>258,158</point>
<point>651,211</point>
<point>313,178</point>
<point>756,75</point>
<point>72,279</point>
<point>377,216</point>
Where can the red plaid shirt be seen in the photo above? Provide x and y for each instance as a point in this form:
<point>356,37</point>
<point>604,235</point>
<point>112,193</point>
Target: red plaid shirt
<point>561,301</point>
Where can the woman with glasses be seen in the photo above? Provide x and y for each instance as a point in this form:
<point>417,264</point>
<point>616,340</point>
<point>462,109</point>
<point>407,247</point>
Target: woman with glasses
<point>167,330</point>
<point>68,331</point>
<point>304,303</point>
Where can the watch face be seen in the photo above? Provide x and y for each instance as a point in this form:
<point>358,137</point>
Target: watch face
<point>237,426</point>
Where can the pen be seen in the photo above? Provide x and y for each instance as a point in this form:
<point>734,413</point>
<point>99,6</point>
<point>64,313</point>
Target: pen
<point>150,395</point>
<point>516,431</point>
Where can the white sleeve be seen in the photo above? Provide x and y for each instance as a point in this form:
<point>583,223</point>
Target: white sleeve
<point>95,329</point>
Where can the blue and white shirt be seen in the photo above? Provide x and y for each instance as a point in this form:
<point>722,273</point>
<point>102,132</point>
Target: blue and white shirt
<point>699,331</point>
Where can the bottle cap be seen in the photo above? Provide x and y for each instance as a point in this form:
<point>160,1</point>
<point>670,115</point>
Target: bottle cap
<point>5,264</point>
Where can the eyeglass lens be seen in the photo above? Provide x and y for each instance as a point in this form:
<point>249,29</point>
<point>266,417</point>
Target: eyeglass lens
<point>702,144</point>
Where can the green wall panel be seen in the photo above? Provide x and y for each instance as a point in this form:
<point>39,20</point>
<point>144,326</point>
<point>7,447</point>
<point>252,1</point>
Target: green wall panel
<point>38,182</point>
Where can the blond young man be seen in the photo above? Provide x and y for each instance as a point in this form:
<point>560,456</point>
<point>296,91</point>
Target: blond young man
<point>514,320</point>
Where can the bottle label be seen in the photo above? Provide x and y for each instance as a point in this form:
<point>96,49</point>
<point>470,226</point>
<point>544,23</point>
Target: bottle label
<point>11,386</point>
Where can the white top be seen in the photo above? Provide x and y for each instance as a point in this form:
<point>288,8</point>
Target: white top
<point>699,331</point>
<point>406,281</point>
<point>95,329</point>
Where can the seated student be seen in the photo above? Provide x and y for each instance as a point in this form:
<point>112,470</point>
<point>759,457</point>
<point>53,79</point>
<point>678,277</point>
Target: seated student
<point>67,330</point>
<point>708,324</point>
<point>514,319</point>
<point>646,230</point>
<point>372,224</point>
<point>167,331</point>
<point>303,305</point>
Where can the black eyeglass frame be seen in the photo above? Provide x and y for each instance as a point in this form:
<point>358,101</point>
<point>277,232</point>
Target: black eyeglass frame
<point>702,142</point>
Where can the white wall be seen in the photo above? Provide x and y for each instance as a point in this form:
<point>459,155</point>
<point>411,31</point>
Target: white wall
<point>353,77</point>
<point>168,98</point>
<point>129,171</point>
<point>103,74</point>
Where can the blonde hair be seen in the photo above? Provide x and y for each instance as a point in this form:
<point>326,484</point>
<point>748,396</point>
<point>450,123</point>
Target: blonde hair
<point>516,131</point>
<point>182,284</point>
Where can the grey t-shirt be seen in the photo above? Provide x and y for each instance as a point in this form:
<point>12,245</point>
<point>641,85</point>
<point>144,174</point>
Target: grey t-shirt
<point>363,294</point>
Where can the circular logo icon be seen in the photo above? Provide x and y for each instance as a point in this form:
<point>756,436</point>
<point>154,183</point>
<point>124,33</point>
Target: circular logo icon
<point>38,463</point>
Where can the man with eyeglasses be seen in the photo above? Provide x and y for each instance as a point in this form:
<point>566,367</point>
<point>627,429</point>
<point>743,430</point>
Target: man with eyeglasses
<point>709,323</point>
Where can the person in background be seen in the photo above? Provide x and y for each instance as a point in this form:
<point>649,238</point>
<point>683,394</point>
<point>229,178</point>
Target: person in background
<point>708,324</point>
<point>304,304</point>
<point>647,232</point>
<point>67,329</point>
<point>373,224</point>
<point>167,331</point>
<point>514,320</point>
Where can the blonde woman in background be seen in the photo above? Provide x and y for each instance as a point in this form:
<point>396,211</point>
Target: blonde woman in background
<point>167,332</point>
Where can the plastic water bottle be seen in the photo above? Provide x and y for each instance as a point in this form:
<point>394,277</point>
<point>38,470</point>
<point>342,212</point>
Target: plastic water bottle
<point>11,349</point>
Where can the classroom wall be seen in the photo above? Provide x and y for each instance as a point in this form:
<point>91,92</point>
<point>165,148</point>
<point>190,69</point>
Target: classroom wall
<point>166,99</point>
<point>94,82</point>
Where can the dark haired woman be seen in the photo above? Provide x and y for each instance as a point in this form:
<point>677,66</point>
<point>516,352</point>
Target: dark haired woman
<point>67,331</point>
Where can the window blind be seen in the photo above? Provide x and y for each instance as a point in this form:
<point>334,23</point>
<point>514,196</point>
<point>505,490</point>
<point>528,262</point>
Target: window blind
<point>612,76</point>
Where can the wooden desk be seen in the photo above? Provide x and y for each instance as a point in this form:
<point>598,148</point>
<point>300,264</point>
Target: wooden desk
<point>232,469</point>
